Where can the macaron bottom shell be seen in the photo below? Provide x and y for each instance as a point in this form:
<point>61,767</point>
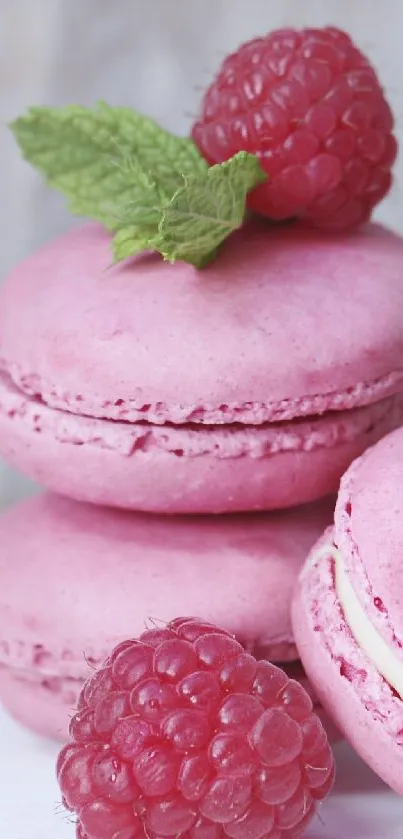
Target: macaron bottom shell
<point>187,469</point>
<point>363,706</point>
<point>44,704</point>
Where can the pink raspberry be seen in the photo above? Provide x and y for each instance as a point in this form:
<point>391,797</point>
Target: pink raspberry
<point>310,106</point>
<point>183,733</point>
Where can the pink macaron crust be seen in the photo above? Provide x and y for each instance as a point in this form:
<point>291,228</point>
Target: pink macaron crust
<point>247,385</point>
<point>368,533</point>
<point>77,579</point>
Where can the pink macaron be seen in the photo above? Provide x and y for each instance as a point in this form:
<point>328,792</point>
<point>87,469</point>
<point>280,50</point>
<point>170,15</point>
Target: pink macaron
<point>251,384</point>
<point>348,610</point>
<point>77,579</point>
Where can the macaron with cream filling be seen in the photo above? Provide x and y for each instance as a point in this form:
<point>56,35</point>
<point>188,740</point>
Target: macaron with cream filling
<point>348,610</point>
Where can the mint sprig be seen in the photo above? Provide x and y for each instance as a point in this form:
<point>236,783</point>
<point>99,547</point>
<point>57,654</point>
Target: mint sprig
<point>153,190</point>
<point>207,209</point>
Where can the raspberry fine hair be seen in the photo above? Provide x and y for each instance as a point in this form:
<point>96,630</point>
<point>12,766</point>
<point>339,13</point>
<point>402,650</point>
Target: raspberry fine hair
<point>309,104</point>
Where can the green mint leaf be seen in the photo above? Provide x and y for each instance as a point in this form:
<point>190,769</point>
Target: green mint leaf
<point>129,241</point>
<point>135,214</point>
<point>81,152</point>
<point>140,200</point>
<point>207,209</point>
<point>196,220</point>
<point>153,190</point>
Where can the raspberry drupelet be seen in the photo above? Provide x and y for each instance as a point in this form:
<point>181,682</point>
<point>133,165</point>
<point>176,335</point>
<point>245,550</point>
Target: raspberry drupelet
<point>183,733</point>
<point>309,105</point>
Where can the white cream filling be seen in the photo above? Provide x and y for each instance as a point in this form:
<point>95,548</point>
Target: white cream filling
<point>366,636</point>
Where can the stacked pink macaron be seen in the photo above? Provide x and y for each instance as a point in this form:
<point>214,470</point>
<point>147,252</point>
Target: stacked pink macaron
<point>191,428</point>
<point>250,385</point>
<point>348,610</point>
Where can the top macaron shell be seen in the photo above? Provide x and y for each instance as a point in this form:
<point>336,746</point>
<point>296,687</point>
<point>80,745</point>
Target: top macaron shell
<point>284,323</point>
<point>368,534</point>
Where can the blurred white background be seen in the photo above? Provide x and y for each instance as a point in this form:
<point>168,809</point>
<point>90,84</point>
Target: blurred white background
<point>152,55</point>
